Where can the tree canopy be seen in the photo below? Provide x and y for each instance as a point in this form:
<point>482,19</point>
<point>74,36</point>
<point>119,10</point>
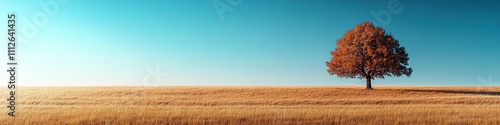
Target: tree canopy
<point>368,52</point>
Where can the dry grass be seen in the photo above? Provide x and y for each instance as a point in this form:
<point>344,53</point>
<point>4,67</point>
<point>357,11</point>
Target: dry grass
<point>255,105</point>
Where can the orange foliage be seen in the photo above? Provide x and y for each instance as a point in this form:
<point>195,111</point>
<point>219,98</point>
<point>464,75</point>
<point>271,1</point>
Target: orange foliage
<point>368,52</point>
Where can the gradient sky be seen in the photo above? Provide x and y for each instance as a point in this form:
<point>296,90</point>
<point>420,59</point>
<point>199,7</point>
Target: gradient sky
<point>260,42</point>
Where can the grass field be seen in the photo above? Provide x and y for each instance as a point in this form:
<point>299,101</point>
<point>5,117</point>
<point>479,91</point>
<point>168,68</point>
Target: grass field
<point>254,105</point>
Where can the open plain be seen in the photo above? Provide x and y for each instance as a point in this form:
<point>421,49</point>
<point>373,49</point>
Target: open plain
<point>254,105</point>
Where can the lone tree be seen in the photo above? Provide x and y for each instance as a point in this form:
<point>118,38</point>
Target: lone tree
<point>368,52</point>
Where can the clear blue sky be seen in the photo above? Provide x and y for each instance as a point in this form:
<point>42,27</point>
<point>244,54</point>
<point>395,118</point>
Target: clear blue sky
<point>260,42</point>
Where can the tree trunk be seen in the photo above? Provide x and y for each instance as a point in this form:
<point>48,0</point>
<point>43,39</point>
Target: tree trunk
<point>369,83</point>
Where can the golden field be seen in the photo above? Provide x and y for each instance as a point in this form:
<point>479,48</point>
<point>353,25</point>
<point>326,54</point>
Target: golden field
<point>254,105</point>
